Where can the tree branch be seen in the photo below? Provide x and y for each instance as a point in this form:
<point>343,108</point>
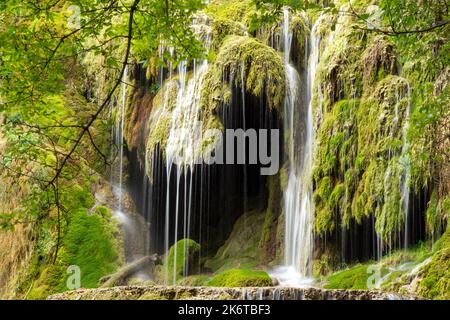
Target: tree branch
<point>107,99</point>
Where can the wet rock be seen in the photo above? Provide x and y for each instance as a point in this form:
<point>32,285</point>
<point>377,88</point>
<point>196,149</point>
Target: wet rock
<point>216,293</point>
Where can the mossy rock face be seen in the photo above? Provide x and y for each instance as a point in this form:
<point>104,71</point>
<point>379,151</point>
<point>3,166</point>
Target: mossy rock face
<point>359,160</point>
<point>379,60</point>
<point>160,119</point>
<point>435,283</point>
<point>438,212</point>
<point>392,273</point>
<point>241,249</point>
<point>325,261</point>
<point>269,240</point>
<point>182,257</point>
<point>221,28</point>
<point>240,61</point>
<point>244,58</point>
<point>241,278</point>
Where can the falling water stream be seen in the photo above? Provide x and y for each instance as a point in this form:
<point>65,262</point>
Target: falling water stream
<point>297,269</point>
<point>119,138</point>
<point>183,148</point>
<point>404,158</point>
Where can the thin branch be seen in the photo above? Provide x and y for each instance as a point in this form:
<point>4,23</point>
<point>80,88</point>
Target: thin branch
<point>394,32</point>
<point>105,158</point>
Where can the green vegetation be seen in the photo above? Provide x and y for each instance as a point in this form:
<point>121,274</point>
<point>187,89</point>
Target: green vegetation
<point>90,241</point>
<point>61,71</point>
<point>184,253</point>
<point>360,162</point>
<point>241,249</point>
<point>386,274</point>
<point>194,281</point>
<point>263,72</point>
<point>270,240</point>
<point>354,278</point>
<point>381,128</point>
<point>240,278</point>
<point>435,283</point>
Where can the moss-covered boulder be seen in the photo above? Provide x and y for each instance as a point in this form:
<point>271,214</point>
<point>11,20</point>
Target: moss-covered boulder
<point>248,63</point>
<point>241,278</point>
<point>181,260</point>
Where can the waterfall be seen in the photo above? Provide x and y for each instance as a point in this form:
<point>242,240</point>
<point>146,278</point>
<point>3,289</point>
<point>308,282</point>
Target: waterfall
<point>182,152</point>
<point>404,158</point>
<point>122,121</point>
<point>298,194</point>
<point>183,148</point>
<point>119,142</point>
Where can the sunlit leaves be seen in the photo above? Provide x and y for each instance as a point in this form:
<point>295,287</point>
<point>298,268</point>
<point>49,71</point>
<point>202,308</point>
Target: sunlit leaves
<point>43,45</point>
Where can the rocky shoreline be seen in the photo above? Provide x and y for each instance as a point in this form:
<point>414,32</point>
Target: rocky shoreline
<point>216,293</point>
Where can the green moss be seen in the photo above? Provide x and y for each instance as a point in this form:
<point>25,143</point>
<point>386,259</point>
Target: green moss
<point>334,200</point>
<point>103,212</point>
<point>262,67</point>
<point>354,278</point>
<point>242,248</point>
<point>269,239</point>
<point>361,114</point>
<point>241,278</point>
<point>232,10</point>
<point>221,28</point>
<point>159,134</point>
<point>47,280</point>
<point>80,196</point>
<point>184,253</point>
<point>336,144</point>
<point>194,281</point>
<point>91,245</point>
<point>338,72</point>
<point>435,283</point>
<point>325,221</point>
<point>300,31</point>
<point>393,271</point>
<point>90,242</point>
<point>378,60</point>
<point>437,212</point>
<point>263,72</point>
<point>358,155</point>
<point>161,118</point>
<point>326,263</point>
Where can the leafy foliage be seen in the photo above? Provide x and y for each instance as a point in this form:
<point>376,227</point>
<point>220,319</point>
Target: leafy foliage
<point>53,121</point>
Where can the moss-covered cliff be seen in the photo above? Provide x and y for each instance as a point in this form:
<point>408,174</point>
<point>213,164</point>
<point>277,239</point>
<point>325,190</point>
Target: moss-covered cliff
<point>380,164</point>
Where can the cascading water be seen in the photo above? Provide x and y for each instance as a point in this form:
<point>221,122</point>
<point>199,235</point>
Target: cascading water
<point>298,193</point>
<point>119,138</point>
<point>404,158</point>
<point>183,147</point>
